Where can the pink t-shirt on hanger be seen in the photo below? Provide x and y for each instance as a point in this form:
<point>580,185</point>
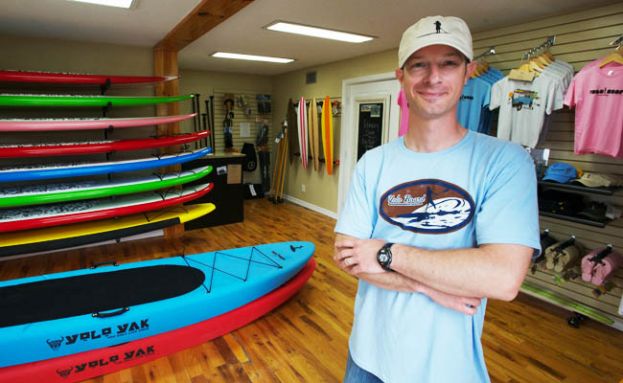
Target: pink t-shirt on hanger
<point>597,96</point>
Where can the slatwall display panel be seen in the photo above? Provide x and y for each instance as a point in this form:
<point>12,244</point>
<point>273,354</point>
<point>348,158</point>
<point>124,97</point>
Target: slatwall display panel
<point>254,119</point>
<point>581,38</point>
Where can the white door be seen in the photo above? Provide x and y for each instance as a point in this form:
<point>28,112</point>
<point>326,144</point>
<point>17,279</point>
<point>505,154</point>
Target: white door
<point>359,95</point>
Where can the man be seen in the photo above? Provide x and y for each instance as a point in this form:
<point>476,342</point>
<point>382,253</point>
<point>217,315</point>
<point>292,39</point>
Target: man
<point>435,222</point>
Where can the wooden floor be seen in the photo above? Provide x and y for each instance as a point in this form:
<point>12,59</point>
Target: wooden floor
<point>305,340</point>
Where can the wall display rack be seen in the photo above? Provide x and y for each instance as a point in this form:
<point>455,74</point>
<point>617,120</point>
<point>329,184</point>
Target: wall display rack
<point>109,158</point>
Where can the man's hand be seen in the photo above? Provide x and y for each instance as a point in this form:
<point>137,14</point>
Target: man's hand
<point>356,256</point>
<point>465,305</point>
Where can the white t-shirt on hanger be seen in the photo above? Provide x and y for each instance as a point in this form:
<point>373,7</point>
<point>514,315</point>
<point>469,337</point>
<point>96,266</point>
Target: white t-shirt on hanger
<point>523,106</point>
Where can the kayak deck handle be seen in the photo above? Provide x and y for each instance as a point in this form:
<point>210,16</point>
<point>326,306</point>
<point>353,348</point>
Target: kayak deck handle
<point>111,263</point>
<point>110,314</point>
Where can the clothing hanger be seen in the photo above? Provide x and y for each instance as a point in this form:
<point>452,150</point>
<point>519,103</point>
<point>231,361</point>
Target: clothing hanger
<point>481,68</point>
<point>482,65</point>
<point>524,71</point>
<point>529,67</point>
<point>546,57</point>
<point>616,56</point>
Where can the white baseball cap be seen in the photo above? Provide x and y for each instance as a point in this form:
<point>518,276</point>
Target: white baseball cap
<point>433,30</point>
<point>595,180</point>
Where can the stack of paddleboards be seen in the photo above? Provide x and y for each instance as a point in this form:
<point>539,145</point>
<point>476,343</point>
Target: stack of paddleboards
<point>313,120</point>
<point>57,193</point>
<point>75,325</point>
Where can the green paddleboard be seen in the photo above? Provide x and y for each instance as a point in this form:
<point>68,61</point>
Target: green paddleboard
<point>43,194</point>
<point>53,100</point>
<point>565,302</point>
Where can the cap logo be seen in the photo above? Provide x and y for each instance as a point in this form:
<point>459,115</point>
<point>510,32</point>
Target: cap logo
<point>438,26</point>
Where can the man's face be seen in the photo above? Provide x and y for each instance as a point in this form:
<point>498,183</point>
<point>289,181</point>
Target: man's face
<point>432,80</point>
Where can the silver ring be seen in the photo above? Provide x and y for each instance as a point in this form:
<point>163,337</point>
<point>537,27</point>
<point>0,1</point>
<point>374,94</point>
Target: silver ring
<point>347,261</point>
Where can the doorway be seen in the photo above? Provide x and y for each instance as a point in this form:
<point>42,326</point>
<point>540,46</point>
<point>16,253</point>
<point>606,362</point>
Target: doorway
<point>370,117</point>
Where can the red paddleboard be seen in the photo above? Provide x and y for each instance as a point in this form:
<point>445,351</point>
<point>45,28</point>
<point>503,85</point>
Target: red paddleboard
<point>18,125</point>
<point>85,365</point>
<point>302,129</point>
<point>91,210</point>
<point>79,148</point>
<point>77,78</point>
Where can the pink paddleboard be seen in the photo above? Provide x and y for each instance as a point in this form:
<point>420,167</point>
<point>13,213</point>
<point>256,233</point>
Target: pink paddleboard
<point>15,125</point>
<point>303,130</point>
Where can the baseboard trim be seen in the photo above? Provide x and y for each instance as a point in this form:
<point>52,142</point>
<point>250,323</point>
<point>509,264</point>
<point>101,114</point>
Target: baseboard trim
<point>310,206</point>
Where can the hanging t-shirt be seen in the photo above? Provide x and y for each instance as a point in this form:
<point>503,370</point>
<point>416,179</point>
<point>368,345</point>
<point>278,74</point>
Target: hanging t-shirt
<point>491,76</point>
<point>597,96</point>
<point>474,99</point>
<point>523,106</point>
<point>561,72</point>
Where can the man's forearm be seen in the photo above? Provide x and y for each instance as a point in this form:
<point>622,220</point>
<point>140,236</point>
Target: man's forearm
<point>399,282</point>
<point>493,270</point>
<point>391,281</point>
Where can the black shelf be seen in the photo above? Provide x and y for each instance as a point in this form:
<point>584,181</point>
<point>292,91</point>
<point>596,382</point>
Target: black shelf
<point>573,219</point>
<point>576,188</point>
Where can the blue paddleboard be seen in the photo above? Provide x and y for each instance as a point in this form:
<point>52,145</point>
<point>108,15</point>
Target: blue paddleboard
<point>97,168</point>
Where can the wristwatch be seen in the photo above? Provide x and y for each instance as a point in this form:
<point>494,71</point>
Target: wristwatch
<point>384,256</point>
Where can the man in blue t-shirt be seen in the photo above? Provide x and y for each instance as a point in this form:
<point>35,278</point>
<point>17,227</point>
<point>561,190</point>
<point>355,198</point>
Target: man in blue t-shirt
<point>435,223</point>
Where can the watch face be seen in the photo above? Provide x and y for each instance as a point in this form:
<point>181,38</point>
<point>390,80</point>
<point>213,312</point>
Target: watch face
<point>383,257</point>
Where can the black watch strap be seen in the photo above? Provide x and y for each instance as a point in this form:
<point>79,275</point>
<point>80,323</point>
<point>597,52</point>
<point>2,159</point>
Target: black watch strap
<point>384,256</point>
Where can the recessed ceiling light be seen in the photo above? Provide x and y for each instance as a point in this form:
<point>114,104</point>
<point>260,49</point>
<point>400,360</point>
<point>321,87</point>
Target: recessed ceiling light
<point>109,3</point>
<point>322,33</point>
<point>239,56</point>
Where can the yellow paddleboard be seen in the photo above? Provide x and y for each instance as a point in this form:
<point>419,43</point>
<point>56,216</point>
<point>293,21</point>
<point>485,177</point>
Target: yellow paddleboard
<point>182,213</point>
<point>327,134</point>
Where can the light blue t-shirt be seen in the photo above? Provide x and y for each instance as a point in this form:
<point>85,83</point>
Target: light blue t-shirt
<point>481,190</point>
<point>474,101</point>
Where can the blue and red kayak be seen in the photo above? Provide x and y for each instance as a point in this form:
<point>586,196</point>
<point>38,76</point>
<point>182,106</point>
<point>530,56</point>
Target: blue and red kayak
<point>67,313</point>
<point>89,364</point>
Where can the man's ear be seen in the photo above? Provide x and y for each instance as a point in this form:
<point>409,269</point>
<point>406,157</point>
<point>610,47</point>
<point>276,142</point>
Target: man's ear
<point>399,74</point>
<point>471,67</point>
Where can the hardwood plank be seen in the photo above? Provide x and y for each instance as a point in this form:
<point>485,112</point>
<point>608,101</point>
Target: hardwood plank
<point>306,339</point>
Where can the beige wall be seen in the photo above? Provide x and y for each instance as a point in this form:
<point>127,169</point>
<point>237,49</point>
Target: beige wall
<point>39,54</point>
<point>206,83</point>
<point>67,56</point>
<point>320,188</point>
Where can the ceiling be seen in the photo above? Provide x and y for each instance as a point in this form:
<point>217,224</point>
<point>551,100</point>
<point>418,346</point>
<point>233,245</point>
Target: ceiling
<point>244,32</point>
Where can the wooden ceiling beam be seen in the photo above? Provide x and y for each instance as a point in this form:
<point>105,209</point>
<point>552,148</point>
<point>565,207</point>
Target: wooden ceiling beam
<point>206,15</point>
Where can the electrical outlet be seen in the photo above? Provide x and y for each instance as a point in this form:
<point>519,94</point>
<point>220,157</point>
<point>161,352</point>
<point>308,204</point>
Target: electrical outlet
<point>303,188</point>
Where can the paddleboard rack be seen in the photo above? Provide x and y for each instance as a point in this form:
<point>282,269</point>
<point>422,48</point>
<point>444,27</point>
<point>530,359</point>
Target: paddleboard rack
<point>322,160</point>
<point>105,86</point>
<point>106,109</point>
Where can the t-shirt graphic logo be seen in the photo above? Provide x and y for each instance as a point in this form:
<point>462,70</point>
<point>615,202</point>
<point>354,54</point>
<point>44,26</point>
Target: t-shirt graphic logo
<point>438,26</point>
<point>523,99</point>
<point>429,206</point>
<point>606,91</point>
